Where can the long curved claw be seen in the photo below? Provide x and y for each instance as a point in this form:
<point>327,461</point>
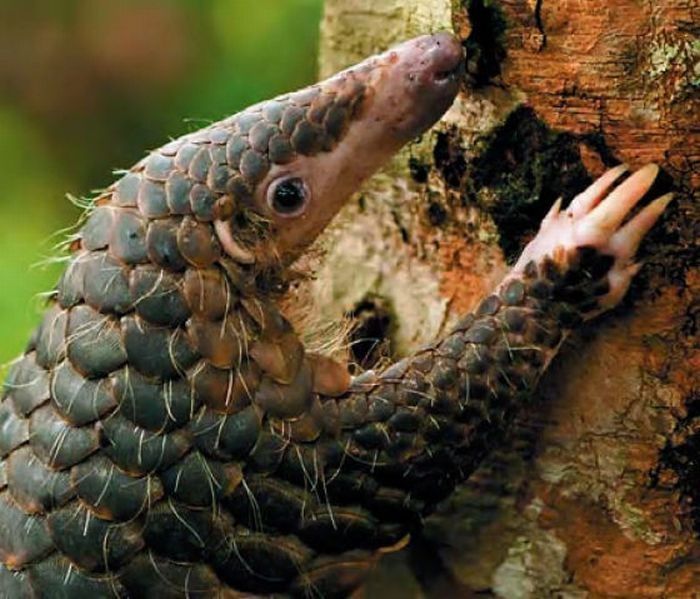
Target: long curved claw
<point>626,240</point>
<point>589,198</point>
<point>610,213</point>
<point>552,214</point>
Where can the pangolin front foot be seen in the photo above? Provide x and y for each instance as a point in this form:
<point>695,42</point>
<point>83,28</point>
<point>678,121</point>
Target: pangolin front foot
<point>597,219</point>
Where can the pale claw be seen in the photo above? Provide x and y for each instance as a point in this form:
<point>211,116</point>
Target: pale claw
<point>552,214</point>
<point>626,240</point>
<point>610,213</point>
<point>587,199</point>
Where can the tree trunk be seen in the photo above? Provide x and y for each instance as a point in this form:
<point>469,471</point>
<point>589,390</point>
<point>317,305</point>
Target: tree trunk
<point>597,491</point>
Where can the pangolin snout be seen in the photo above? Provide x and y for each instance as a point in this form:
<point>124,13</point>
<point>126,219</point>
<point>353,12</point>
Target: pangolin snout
<point>436,58</point>
<point>421,82</point>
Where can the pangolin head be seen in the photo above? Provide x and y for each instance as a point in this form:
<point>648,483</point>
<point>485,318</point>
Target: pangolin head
<point>252,191</point>
<point>293,161</point>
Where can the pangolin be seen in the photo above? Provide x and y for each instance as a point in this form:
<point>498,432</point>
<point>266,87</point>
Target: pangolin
<point>166,434</point>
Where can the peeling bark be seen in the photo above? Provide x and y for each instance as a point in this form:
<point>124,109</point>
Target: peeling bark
<point>597,493</point>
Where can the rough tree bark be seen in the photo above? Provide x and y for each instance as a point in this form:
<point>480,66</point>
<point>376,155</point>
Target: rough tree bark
<point>597,494</point>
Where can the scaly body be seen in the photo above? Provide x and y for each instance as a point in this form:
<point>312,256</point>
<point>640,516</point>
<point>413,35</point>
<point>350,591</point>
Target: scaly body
<point>167,435</point>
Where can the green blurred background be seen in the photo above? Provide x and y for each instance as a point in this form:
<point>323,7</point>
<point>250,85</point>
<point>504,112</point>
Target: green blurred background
<point>87,86</point>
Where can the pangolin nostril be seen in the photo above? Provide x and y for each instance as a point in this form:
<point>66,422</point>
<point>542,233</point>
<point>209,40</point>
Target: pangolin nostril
<point>443,75</point>
<point>447,74</point>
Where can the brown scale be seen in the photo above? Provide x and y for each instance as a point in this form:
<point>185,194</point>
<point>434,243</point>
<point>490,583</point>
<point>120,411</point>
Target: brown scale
<point>110,493</point>
<point>166,433</point>
<point>225,391</point>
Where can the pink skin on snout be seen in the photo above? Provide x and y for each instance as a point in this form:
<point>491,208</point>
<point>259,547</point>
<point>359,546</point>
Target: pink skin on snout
<point>409,89</point>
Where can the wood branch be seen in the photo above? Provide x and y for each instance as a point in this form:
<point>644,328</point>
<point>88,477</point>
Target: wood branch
<point>597,492</point>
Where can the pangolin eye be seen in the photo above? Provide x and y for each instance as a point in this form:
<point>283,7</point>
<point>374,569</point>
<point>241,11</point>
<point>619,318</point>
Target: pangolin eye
<point>288,196</point>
